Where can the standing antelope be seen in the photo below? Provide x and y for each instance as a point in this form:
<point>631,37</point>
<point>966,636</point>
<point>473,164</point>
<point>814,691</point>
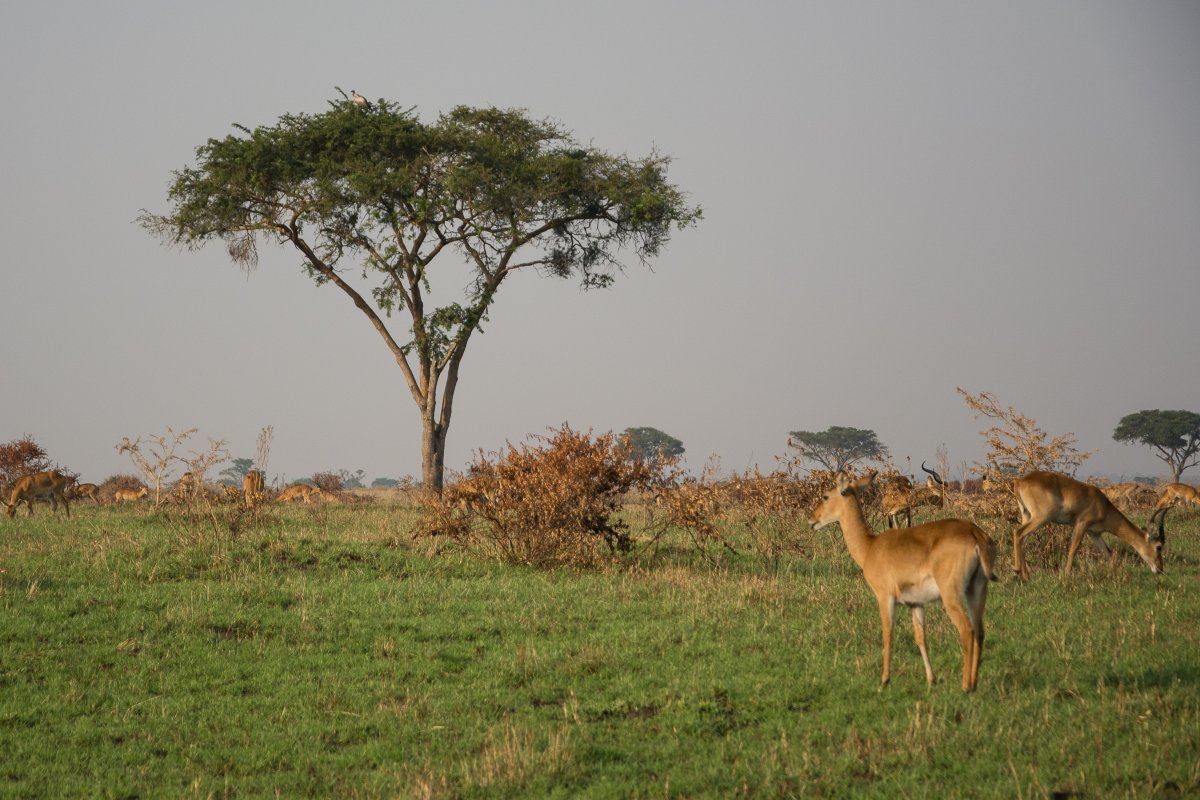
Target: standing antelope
<point>1177,492</point>
<point>902,499</point>
<point>1049,497</point>
<point>254,487</point>
<point>948,560</point>
<point>50,486</point>
<point>130,495</point>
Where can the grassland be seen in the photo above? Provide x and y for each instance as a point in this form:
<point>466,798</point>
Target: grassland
<point>321,652</point>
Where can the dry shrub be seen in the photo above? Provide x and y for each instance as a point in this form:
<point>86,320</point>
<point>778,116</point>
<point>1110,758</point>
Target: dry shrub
<point>328,481</point>
<point>1017,445</point>
<point>548,504</point>
<point>768,512</point>
<point>22,457</point>
<point>772,508</point>
<point>693,505</point>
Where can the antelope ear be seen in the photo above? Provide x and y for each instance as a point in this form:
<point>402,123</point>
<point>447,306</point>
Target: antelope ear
<point>866,480</point>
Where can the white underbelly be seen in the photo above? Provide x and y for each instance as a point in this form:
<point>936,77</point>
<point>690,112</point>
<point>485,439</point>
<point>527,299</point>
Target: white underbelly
<point>919,594</point>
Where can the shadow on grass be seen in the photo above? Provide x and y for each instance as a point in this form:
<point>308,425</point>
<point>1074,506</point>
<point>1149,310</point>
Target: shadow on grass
<point>1162,677</point>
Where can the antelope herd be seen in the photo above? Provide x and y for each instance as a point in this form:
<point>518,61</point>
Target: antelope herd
<point>54,488</point>
<point>949,561</point>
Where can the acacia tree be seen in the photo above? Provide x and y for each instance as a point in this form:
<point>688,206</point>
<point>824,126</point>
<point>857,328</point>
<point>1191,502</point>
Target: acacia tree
<point>371,197</point>
<point>838,447</point>
<point>1174,435</point>
<point>651,444</point>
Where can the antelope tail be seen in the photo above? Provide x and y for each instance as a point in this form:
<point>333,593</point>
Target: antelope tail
<point>986,549</point>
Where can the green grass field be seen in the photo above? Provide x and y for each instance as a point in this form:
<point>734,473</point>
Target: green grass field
<point>323,653</point>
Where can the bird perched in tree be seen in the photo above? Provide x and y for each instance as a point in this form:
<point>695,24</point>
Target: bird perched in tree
<point>359,100</point>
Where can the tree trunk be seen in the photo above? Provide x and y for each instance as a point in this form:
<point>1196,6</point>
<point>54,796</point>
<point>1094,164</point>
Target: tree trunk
<point>433,453</point>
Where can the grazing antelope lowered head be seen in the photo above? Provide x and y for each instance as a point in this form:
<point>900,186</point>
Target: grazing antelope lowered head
<point>50,486</point>
<point>1046,497</point>
<point>949,560</point>
<point>89,490</point>
<point>302,492</point>
<point>1179,493</point>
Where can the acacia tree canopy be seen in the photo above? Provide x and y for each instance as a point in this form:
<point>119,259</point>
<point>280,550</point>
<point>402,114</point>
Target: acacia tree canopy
<point>838,447</point>
<point>1174,435</point>
<point>649,444</point>
<point>371,198</point>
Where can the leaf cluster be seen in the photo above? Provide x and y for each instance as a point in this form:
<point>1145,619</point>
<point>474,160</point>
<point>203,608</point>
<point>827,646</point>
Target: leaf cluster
<point>386,193</point>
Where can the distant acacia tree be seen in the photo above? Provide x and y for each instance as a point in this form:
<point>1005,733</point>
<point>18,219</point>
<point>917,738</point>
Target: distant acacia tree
<point>838,447</point>
<point>385,483</point>
<point>1174,435</point>
<point>236,472</point>
<point>372,192</point>
<point>651,444</point>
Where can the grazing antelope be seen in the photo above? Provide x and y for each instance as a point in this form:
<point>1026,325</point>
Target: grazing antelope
<point>50,486</point>
<point>254,487</point>
<point>1050,497</point>
<point>948,560</point>
<point>88,490</point>
<point>1174,493</point>
<point>130,495</point>
<point>301,491</point>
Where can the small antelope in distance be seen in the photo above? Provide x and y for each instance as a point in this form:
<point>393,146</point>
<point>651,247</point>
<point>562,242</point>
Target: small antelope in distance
<point>1174,493</point>
<point>50,486</point>
<point>88,490</point>
<point>301,491</point>
<point>947,560</point>
<point>130,495</point>
<point>1119,491</point>
<point>1050,497</point>
<point>253,487</point>
<point>902,499</point>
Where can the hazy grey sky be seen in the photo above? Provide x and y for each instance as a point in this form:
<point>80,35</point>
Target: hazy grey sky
<point>900,198</point>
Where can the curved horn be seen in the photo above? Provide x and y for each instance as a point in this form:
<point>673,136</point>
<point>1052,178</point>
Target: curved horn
<point>1162,519</point>
<point>933,474</point>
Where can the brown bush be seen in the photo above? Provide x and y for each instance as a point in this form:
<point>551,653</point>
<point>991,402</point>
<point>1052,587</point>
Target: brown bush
<point>328,481</point>
<point>551,503</point>
<point>22,457</point>
<point>772,508</point>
